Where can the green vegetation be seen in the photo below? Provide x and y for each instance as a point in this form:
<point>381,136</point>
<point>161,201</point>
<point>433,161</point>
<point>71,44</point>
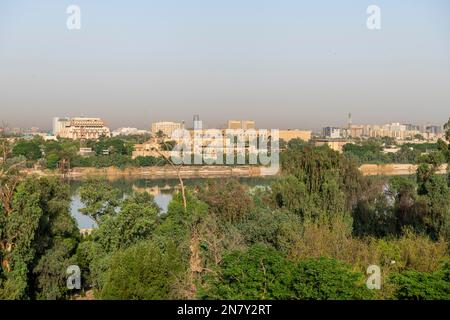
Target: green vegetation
<point>29,149</point>
<point>310,235</point>
<point>107,152</point>
<point>262,273</point>
<point>371,151</point>
<point>38,240</point>
<point>143,271</point>
<point>117,152</point>
<point>414,285</point>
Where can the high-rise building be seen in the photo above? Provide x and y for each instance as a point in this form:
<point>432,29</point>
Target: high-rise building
<point>332,132</point>
<point>412,127</point>
<point>433,129</point>
<point>196,121</point>
<point>59,124</point>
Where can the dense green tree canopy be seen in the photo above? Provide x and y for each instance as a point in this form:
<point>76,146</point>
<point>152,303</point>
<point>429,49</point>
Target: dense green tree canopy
<point>144,272</point>
<point>27,148</point>
<point>39,237</point>
<point>263,273</point>
<point>100,199</point>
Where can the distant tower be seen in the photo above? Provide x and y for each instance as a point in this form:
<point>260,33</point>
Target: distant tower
<point>349,123</point>
<point>196,122</point>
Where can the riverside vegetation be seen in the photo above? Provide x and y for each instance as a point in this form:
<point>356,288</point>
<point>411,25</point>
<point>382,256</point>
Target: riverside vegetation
<point>310,235</point>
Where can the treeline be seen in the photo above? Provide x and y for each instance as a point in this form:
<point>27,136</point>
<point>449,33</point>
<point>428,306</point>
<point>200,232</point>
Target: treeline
<point>371,151</point>
<point>311,235</point>
<point>107,152</point>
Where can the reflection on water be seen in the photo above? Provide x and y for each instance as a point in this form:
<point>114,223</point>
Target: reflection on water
<point>161,190</point>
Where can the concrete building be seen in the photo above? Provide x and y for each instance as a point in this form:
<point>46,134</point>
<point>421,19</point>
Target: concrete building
<point>332,132</point>
<point>355,131</point>
<point>82,128</point>
<point>166,127</point>
<point>59,124</point>
<point>334,144</point>
<point>412,127</point>
<point>148,149</point>
<point>288,135</point>
<point>241,124</point>
<point>436,130</point>
<point>392,130</point>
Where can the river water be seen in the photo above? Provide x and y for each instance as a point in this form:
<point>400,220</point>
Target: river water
<point>161,190</point>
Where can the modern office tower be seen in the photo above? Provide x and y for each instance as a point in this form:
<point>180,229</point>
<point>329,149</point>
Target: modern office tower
<point>196,122</point>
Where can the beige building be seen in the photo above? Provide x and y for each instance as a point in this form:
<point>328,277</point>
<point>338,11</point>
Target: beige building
<point>83,128</point>
<point>147,149</point>
<point>334,144</point>
<point>355,131</point>
<point>288,135</point>
<point>241,124</point>
<point>393,130</point>
<point>166,127</point>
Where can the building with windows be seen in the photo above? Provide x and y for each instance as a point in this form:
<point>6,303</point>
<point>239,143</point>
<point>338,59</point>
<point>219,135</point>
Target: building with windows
<point>80,128</point>
<point>59,124</point>
<point>149,149</point>
<point>334,144</point>
<point>288,135</point>
<point>166,127</point>
<point>332,132</point>
<point>435,130</point>
<point>241,124</point>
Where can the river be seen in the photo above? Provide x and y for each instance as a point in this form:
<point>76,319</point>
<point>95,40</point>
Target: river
<point>161,190</point>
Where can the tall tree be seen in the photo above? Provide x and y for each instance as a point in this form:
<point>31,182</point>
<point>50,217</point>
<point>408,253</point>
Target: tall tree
<point>35,230</point>
<point>100,199</point>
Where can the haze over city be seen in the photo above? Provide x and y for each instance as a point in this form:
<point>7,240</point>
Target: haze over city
<point>286,64</point>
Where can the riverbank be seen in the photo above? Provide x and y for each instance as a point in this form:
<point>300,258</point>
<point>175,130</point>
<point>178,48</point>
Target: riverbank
<point>201,172</point>
<point>155,173</point>
<point>393,169</point>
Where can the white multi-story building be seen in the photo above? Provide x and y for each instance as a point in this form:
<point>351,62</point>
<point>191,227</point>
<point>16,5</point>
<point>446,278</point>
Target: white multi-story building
<point>59,124</point>
<point>81,128</point>
<point>128,132</point>
<point>332,132</point>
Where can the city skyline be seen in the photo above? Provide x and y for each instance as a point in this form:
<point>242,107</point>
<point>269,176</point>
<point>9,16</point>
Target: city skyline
<point>284,65</point>
<point>225,123</point>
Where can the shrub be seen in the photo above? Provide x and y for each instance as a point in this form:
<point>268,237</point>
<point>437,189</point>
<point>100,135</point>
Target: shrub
<point>143,271</point>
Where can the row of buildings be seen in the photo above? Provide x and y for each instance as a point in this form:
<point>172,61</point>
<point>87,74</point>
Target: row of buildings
<point>167,128</point>
<point>94,128</point>
<point>163,131</point>
<point>394,130</point>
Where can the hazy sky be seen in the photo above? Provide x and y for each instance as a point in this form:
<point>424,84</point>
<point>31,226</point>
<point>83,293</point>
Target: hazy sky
<point>283,63</point>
